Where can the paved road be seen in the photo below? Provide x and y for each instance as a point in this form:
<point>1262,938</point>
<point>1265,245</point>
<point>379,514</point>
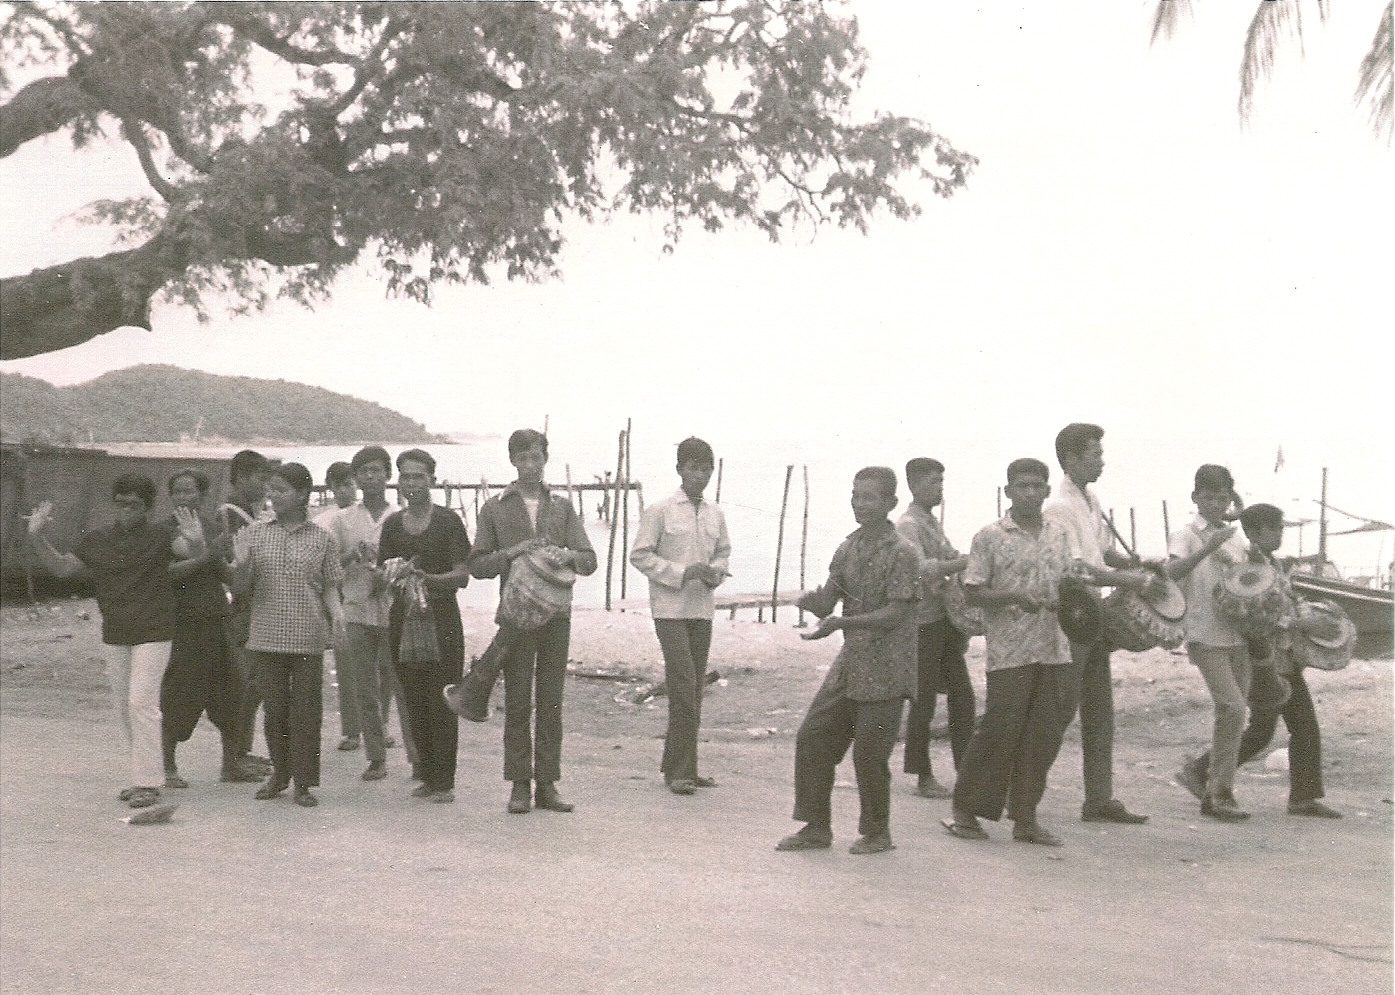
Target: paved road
<point>640,891</point>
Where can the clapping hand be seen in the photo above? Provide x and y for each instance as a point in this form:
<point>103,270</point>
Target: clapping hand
<point>39,517</point>
<point>190,528</point>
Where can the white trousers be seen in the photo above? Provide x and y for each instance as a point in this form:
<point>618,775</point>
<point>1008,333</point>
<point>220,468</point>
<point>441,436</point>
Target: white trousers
<point>135,673</point>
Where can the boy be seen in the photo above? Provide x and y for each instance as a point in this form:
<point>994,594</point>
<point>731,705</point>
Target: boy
<point>684,550</point>
<point>1198,556</point>
<point>1078,512</point>
<point>939,645</point>
<point>1014,574</point>
<point>874,573</point>
<point>525,516</point>
<point>1264,528</point>
<point>339,481</point>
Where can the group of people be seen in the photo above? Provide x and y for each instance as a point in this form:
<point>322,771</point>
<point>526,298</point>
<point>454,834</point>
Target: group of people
<point>219,614</point>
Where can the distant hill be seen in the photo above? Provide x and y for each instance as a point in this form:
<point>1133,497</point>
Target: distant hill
<point>167,404</point>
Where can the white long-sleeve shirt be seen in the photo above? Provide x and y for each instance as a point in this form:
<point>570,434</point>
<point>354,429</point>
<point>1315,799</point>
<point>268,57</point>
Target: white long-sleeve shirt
<point>673,535</point>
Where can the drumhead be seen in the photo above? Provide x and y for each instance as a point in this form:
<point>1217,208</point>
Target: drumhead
<point>1079,612</point>
<point>1168,601</point>
<point>1248,580</point>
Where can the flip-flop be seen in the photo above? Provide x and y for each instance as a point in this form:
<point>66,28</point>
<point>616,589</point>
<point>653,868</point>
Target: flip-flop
<point>151,816</point>
<point>963,832</point>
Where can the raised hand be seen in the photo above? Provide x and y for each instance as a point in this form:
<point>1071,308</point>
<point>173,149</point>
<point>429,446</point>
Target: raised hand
<point>189,525</point>
<point>39,517</point>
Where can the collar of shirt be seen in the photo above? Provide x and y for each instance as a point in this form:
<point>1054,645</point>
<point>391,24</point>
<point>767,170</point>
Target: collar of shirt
<point>681,496</point>
<point>290,529</point>
<point>513,489</point>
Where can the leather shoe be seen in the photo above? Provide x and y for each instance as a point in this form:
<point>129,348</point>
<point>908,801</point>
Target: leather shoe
<point>377,770</point>
<point>1313,808</point>
<point>1032,832</point>
<point>545,797</point>
<point>681,786</point>
<point>1111,811</point>
<point>1223,808</point>
<point>520,798</point>
<point>808,838</point>
<point>875,843</point>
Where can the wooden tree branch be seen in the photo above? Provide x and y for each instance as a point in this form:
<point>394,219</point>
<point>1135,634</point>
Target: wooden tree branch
<point>41,108</point>
<point>131,131</point>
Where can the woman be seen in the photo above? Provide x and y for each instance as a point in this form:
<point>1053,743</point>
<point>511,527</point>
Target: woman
<point>425,549</point>
<point>289,570</point>
<point>199,678</point>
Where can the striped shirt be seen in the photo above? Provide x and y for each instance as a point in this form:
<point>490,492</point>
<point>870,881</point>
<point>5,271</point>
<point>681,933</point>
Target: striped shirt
<point>292,568</point>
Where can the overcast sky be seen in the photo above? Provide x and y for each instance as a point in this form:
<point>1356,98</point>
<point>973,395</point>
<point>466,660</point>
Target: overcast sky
<point>1125,253</point>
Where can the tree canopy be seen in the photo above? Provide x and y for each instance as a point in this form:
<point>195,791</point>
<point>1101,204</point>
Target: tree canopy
<point>448,140</point>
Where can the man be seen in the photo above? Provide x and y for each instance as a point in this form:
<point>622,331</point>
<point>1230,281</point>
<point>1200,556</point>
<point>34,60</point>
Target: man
<point>1078,512</point>
<point>247,476</point>
<point>684,550</point>
<point>939,645</point>
<point>130,565</point>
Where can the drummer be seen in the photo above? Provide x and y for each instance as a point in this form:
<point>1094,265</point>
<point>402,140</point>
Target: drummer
<point>1264,528</point>
<point>1078,512</point>
<point>1198,556</point>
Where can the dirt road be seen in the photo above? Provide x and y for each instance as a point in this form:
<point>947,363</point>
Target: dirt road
<point>642,891</point>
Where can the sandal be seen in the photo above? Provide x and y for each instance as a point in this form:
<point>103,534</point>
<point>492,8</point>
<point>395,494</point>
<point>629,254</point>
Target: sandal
<point>143,797</point>
<point>963,831</point>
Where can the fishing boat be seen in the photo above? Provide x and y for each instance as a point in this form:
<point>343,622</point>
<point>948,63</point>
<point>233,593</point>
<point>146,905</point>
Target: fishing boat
<point>1371,608</point>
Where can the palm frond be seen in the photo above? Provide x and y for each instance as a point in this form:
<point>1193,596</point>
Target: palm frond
<point>1271,22</point>
<point>1166,17</point>
<point>1376,84</point>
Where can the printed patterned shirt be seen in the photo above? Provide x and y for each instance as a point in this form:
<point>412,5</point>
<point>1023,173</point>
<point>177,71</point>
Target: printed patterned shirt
<point>292,568</point>
<point>1004,556</point>
<point>919,527</point>
<point>673,535</point>
<point>872,568</point>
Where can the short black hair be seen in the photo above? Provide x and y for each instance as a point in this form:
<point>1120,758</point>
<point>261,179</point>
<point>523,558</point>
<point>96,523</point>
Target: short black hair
<point>199,478</point>
<point>1072,440</point>
<point>296,475</point>
<point>136,484</point>
<point>1213,477</point>
<point>371,454</point>
<point>693,449</point>
<point>921,466</point>
<point>1259,516</point>
<point>1028,465</point>
<point>245,464</point>
<point>339,472</point>
<point>883,475</point>
<point>527,438</point>
<point>417,456</point>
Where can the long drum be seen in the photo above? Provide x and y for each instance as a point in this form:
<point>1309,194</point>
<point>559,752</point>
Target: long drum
<point>1251,599</point>
<point>964,617</point>
<point>1132,623</point>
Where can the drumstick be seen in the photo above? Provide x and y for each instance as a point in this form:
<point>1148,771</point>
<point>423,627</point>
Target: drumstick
<point>1110,522</point>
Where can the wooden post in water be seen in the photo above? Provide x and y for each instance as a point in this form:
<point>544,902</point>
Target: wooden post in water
<point>1167,526</point>
<point>1322,526</point>
<point>1000,502</point>
<point>610,551</point>
<point>804,539</point>
<point>1133,531</point>
<point>780,544</point>
<point>718,498</point>
<point>625,521</point>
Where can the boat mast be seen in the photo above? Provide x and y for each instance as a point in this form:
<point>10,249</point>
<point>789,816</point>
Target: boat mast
<point>1322,526</point>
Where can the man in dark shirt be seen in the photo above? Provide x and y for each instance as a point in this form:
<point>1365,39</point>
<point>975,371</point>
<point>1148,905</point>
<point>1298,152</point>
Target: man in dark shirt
<point>875,574</point>
<point>129,564</point>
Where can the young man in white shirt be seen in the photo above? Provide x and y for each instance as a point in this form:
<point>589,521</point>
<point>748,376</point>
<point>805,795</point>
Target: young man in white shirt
<point>684,550</point>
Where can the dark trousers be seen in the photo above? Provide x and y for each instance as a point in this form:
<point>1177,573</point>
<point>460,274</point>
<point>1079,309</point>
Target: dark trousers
<point>1024,717</point>
<point>1096,719</point>
<point>292,699</point>
<point>435,727</point>
<point>685,642</point>
<point>940,668</point>
<point>1304,741</point>
<point>535,672</point>
<point>197,680</point>
<point>834,722</point>
<point>245,691</point>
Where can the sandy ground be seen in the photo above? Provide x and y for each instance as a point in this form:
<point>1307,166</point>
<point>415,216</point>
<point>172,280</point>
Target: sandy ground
<point>642,891</point>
